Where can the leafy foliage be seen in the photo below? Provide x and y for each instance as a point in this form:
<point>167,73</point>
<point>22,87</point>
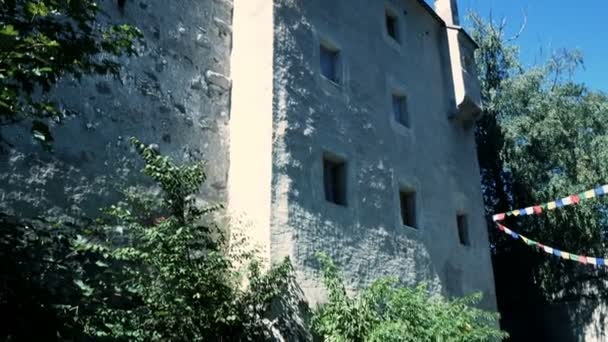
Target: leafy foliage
<point>41,40</point>
<point>175,277</point>
<point>149,270</point>
<point>37,289</point>
<point>543,136</point>
<point>387,311</point>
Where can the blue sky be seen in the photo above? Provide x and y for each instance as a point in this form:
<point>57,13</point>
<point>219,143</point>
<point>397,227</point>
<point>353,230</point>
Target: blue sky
<point>554,25</point>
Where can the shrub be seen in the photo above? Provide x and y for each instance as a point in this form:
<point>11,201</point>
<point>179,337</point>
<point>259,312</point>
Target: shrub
<point>169,273</point>
<point>387,311</point>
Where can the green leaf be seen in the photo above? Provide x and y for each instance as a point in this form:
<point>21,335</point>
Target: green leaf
<point>8,30</point>
<point>101,264</point>
<point>41,132</point>
<point>37,9</point>
<point>86,289</point>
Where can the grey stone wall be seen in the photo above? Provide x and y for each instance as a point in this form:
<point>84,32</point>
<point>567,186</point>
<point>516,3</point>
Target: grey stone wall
<point>176,93</point>
<point>436,156</point>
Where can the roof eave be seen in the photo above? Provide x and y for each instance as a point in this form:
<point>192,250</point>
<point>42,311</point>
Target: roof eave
<point>434,14</point>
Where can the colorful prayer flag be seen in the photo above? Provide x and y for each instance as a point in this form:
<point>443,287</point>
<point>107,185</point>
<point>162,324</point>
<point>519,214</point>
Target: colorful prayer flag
<point>599,191</point>
<point>538,209</point>
<point>499,217</point>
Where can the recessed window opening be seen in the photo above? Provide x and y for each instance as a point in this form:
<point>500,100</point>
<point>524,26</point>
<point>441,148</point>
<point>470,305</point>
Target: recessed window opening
<point>463,230</point>
<point>330,62</point>
<point>334,179</point>
<point>407,200</point>
<point>392,25</point>
<point>400,110</point>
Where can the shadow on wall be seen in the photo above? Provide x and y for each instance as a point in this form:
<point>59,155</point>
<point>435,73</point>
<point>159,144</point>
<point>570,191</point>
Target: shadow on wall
<point>579,315</point>
<point>363,254</point>
<point>174,94</point>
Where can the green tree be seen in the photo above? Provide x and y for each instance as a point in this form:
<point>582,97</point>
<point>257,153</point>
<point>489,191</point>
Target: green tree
<point>43,40</point>
<point>387,311</point>
<point>543,136</point>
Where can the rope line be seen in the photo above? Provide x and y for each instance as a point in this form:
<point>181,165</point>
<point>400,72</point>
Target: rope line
<point>538,210</point>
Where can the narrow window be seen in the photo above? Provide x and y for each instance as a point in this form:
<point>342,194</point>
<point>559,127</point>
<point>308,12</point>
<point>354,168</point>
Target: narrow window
<point>330,63</point>
<point>400,111</point>
<point>407,200</point>
<point>463,229</point>
<point>392,25</point>
<point>334,180</point>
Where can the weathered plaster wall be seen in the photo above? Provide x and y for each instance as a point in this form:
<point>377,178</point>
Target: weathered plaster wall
<point>175,94</point>
<point>436,156</point>
<point>250,173</point>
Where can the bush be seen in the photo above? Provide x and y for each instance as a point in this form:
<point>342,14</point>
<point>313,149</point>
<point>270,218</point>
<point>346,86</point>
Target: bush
<point>387,311</point>
<point>157,269</point>
<point>167,272</point>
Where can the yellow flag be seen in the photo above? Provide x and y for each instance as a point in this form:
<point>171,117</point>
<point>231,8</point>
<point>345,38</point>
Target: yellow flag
<point>589,194</point>
<point>551,205</point>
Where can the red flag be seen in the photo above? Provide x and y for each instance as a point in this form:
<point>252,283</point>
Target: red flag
<point>575,199</point>
<point>538,210</point>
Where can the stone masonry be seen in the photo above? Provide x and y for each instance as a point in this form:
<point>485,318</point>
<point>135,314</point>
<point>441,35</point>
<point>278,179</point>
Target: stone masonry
<point>240,86</point>
<point>299,117</point>
<point>176,94</point>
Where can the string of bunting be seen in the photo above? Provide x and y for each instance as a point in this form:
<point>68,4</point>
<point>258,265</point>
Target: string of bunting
<point>551,250</point>
<point>539,209</point>
<point>559,203</point>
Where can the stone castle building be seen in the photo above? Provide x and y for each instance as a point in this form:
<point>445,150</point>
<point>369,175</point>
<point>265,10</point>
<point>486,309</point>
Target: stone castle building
<point>343,126</point>
<point>351,133</point>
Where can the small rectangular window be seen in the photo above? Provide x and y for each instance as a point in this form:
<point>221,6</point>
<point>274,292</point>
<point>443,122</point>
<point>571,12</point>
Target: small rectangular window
<point>330,62</point>
<point>400,111</point>
<point>334,180</point>
<point>392,26</point>
<point>463,230</point>
<point>407,201</point>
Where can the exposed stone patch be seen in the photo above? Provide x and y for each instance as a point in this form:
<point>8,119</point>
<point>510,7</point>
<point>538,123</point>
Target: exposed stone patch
<point>103,88</point>
<point>218,79</point>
